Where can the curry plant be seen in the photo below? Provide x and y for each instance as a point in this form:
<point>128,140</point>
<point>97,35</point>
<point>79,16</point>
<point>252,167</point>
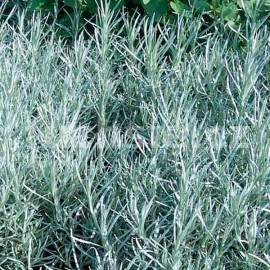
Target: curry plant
<point>148,150</point>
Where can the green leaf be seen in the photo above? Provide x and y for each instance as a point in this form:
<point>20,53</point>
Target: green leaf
<point>215,6</point>
<point>35,4</point>
<point>229,12</point>
<point>158,8</point>
<point>91,6</point>
<point>181,8</point>
<point>41,5</point>
<point>200,5</point>
<point>70,3</point>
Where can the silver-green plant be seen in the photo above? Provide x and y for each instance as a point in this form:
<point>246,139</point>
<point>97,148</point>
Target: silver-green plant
<point>148,150</point>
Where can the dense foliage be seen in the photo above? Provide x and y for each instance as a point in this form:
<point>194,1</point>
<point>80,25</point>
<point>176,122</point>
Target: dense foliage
<point>231,13</point>
<point>116,157</point>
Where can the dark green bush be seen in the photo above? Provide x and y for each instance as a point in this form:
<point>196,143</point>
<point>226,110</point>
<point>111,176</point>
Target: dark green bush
<point>228,10</point>
<point>231,13</point>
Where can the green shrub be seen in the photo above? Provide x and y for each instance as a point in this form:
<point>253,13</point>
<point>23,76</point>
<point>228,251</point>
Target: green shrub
<point>231,13</point>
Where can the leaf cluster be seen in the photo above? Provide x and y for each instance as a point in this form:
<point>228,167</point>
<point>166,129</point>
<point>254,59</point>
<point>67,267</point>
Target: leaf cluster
<point>231,13</point>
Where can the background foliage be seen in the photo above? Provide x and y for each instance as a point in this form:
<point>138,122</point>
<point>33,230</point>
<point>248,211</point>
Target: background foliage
<point>233,13</point>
